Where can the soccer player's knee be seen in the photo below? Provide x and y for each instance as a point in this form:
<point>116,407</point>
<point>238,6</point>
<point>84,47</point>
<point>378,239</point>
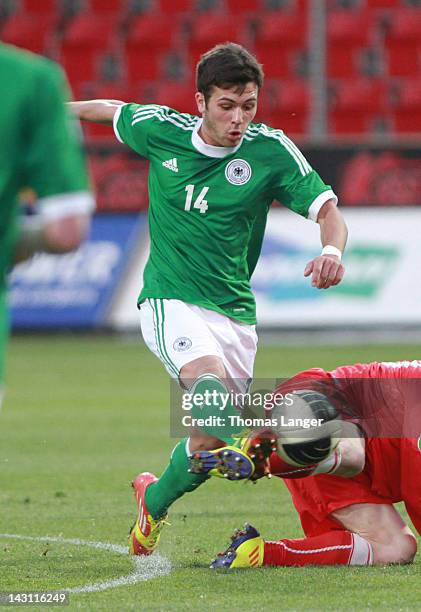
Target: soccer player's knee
<point>408,548</point>
<point>198,367</point>
<point>401,549</point>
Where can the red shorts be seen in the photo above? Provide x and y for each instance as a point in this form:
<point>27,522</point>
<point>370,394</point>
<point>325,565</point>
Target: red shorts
<point>391,474</point>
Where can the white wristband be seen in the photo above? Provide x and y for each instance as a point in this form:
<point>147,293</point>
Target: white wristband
<point>329,249</point>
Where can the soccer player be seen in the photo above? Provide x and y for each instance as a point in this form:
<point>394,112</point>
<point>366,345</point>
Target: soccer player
<point>352,521</point>
<point>40,150</point>
<point>211,182</point>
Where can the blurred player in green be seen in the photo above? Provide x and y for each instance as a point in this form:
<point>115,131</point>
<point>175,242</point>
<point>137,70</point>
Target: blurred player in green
<point>211,182</point>
<point>39,149</point>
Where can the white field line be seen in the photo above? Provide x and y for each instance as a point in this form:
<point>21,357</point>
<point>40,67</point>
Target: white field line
<point>144,568</point>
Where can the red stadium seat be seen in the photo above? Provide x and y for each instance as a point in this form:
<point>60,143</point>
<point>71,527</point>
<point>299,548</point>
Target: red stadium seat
<point>34,7</point>
<point>348,34</point>
<point>107,7</point>
<point>286,106</point>
<point>277,63</point>
<point>403,43</point>
<point>344,62</point>
<point>210,29</point>
<point>170,7</point>
<point>355,105</point>
<point>296,125</point>
<point>403,59</point>
<point>115,91</point>
<point>384,4</point>
<point>245,6</point>
<point>150,38</point>
<point>153,29</point>
<point>282,30</point>
<point>90,30</point>
<point>279,38</point>
<point>405,25</point>
<point>97,131</point>
<point>407,109</point>
<point>33,32</point>
<point>177,95</point>
<point>85,40</point>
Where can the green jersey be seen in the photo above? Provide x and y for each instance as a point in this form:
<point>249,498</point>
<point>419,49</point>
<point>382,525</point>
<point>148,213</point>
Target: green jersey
<point>39,149</point>
<point>208,205</point>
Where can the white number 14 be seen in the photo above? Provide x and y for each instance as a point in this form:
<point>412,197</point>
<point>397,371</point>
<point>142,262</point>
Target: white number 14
<point>199,202</point>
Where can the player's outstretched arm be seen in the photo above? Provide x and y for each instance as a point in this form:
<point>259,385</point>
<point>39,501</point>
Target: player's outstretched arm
<point>98,111</point>
<point>326,270</point>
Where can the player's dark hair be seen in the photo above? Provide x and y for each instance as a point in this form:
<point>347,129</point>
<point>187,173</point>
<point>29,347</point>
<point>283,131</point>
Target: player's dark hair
<point>227,65</point>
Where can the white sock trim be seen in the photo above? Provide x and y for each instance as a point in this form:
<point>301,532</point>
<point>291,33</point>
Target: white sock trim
<point>203,377</point>
<point>362,551</point>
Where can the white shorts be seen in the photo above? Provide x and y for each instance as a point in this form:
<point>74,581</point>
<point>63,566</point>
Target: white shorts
<point>178,333</point>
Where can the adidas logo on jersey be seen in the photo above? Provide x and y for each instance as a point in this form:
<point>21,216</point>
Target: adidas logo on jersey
<point>171,164</point>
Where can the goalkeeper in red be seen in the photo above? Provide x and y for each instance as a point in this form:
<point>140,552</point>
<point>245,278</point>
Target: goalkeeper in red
<point>212,180</point>
<point>346,505</point>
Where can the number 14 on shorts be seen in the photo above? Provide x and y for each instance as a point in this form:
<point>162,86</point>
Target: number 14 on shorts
<point>199,202</point>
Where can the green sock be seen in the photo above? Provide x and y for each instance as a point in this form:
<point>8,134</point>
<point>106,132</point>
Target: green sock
<point>211,401</point>
<point>173,483</point>
<point>176,480</point>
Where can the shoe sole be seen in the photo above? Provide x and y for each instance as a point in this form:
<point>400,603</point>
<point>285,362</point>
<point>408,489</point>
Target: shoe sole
<point>225,463</point>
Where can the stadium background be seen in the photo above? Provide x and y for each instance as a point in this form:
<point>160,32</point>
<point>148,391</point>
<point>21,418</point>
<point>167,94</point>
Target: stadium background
<point>343,78</point>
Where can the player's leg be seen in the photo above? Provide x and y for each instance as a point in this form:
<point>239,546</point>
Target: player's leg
<point>326,501</point>
<point>184,343</point>
<point>382,526</point>
<point>373,531</point>
<point>183,337</point>
<point>372,534</point>
<point>237,342</point>
<point>178,478</point>
<point>207,377</point>
<point>336,547</point>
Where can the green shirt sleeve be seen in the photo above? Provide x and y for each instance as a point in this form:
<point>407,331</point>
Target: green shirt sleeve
<point>256,240</point>
<point>133,124</point>
<point>53,162</point>
<point>297,186</point>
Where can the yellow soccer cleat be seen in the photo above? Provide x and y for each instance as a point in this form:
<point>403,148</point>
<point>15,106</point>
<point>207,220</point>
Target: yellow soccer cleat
<point>246,550</point>
<point>247,459</point>
<point>226,462</point>
<point>146,531</point>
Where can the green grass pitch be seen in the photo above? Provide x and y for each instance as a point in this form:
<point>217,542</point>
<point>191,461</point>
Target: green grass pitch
<point>81,417</point>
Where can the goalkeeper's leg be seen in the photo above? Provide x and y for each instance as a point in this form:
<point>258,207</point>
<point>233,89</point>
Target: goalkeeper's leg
<point>248,549</point>
<point>374,534</point>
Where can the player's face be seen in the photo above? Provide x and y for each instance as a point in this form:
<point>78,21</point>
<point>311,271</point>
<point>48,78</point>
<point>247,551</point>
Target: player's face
<point>227,114</point>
